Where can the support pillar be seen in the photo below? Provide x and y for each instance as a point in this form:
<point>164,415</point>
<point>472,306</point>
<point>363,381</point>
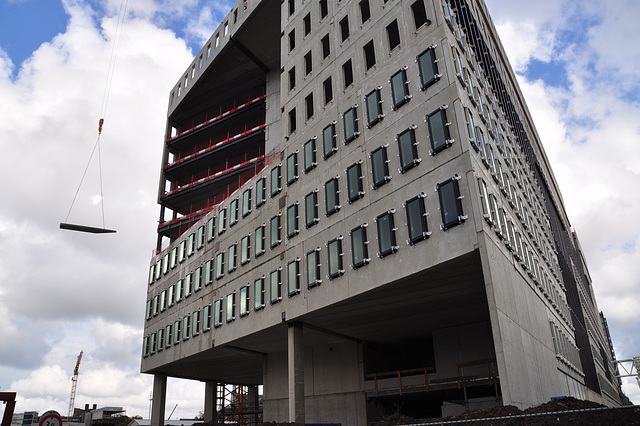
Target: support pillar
<point>159,399</point>
<point>295,367</point>
<point>254,405</point>
<point>211,402</point>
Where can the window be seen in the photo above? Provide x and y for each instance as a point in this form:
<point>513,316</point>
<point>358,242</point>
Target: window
<point>186,327</point>
<point>329,141</point>
<point>292,78</point>
<point>176,332</point>
<point>311,209</point>
<point>276,184</point>
<point>260,240</point>
<point>292,168</point>
<point>334,249</point>
<point>386,234</point>
<point>369,55</point>
<point>171,295</point>
<point>191,245</point>
<point>293,277</point>
<point>308,64</point>
<point>350,119</point>
<point>156,301</point>
<point>258,293</point>
<point>393,34</point>
<point>365,11</point>
<point>211,226</point>
<point>416,219</point>
<point>292,40</point>
<point>347,73</point>
<point>206,318</point>
<point>428,67</point>
<point>178,291</point>
<point>163,300</point>
<point>309,105</point>
<point>220,265</point>
<point>344,28</point>
<point>168,335</point>
<point>374,108</point>
<point>419,14</point>
<point>450,203</point>
<point>332,196</point>
<point>399,89</point>
<point>292,7</point>
<point>355,188</point>
<point>149,309</point>
<point>380,167</point>
<point>174,257</point>
<point>439,131</point>
<point>261,191</point>
<point>292,120</point>
<point>275,287</point>
<point>208,274</point>
<point>307,23</point>
<point>326,48</point>
<point>232,263</point>
<point>244,300</point>
<point>151,273</point>
<point>165,263</point>
<point>222,221</point>
<point>324,10</point>
<point>233,212</point>
<point>181,254</point>
<point>313,268</point>
<point>231,306</point>
<point>200,237</point>
<point>195,321</point>
<point>245,249</point>
<point>217,313</point>
<point>188,282</point>
<point>359,246</point>
<point>310,155</point>
<point>274,227</point>
<point>292,220</point>
<point>408,148</point>
<point>328,90</point>
<point>246,202</point>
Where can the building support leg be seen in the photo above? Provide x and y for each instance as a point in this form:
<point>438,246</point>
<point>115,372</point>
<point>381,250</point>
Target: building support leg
<point>159,399</point>
<point>254,405</point>
<point>295,358</point>
<point>211,402</point>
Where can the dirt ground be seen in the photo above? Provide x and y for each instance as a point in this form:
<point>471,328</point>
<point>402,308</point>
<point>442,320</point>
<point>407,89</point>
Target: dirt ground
<point>625,416</point>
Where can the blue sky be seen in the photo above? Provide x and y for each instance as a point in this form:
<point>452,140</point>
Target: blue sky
<point>578,65</point>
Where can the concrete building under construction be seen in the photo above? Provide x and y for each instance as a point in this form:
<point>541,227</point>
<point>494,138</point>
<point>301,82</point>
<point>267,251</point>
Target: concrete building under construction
<point>357,214</point>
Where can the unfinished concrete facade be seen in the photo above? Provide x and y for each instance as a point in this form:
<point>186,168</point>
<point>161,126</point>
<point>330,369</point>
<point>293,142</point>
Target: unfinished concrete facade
<point>357,214</point>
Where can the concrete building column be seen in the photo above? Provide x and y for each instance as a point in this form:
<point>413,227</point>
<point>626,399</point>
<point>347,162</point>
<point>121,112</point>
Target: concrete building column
<point>159,399</point>
<point>254,404</point>
<point>295,359</point>
<point>210,402</point>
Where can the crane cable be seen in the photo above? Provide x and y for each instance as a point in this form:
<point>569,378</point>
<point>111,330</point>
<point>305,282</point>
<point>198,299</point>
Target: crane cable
<point>122,13</point>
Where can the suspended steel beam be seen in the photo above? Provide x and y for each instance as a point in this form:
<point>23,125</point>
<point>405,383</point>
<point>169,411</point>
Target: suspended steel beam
<point>89,229</point>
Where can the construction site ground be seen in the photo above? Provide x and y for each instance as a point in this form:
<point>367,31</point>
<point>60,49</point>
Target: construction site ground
<point>565,411</point>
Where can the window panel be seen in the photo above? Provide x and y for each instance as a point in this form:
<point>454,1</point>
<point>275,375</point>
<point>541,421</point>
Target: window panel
<point>233,212</point>
<point>188,284</point>
<point>355,188</point>
<point>231,306</point>
<point>246,202</point>
<point>329,141</point>
<point>399,89</point>
<point>428,67</point>
<point>313,268</point>
<point>261,191</point>
<point>350,120</point>
<point>292,168</point>
<point>195,324</point>
<point>386,234</point>
<point>380,167</point>
<point>232,257</point>
<point>408,148</point>
<point>200,237</point>
<point>211,226</point>
<point>293,277</point>
<point>369,55</point>
<point>217,313</point>
<point>186,327</point>
<point>276,180</point>
<point>310,155</point>
<point>419,14</point>
<point>439,131</point>
<point>244,300</point>
<point>168,332</point>
<point>222,221</point>
<point>373,102</point>
<point>393,35</point>
<point>179,291</point>
<point>275,287</point>
<point>292,221</point>
<point>206,318</point>
<point>258,293</point>
<point>334,249</point>
<point>274,228</point>
<point>260,240</point>
<point>311,209</point>
<point>177,332</point>
<point>416,219</point>
<point>245,249</point>
<point>220,265</point>
<point>332,197</point>
<point>450,203</point>
<point>359,246</point>
<point>347,73</point>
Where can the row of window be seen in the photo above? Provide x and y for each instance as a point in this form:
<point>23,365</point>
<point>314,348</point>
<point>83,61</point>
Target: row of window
<point>566,350</point>
<point>416,216</point>
<point>428,71</point>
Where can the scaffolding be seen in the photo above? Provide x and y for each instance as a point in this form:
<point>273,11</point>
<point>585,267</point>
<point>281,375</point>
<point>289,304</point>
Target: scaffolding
<point>235,407</point>
<point>630,368</point>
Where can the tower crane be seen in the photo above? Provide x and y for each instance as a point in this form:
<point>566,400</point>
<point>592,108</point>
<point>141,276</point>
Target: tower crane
<point>74,385</point>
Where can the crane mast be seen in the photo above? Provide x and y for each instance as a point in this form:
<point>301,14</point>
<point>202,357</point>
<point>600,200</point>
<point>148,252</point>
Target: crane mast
<point>74,385</point>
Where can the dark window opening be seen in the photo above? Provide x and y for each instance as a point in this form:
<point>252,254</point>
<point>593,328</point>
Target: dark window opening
<point>428,67</point>
<point>439,131</point>
<point>292,121</point>
<point>324,9</point>
<point>394,35</point>
<point>329,141</point>
<point>355,189</point>
<point>310,155</point>
<point>350,121</point>
<point>380,167</point>
<point>292,7</point>
<point>450,203</point>
<point>386,234</point>
<point>419,14</point>
<point>408,149</point>
<point>334,248</point>
<point>344,28</point>
<point>347,72</point>
<point>365,11</point>
<point>307,23</point>
<point>416,219</point>
<point>359,247</point>
<point>307,63</point>
<point>332,196</point>
<point>328,90</point>
<point>399,89</point>
<point>309,105</point>
<point>292,78</point>
<point>326,50</point>
<point>311,209</point>
<point>292,40</point>
<point>369,55</point>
